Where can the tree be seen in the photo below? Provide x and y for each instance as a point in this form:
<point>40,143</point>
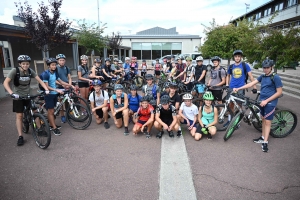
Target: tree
<point>114,42</point>
<point>89,36</point>
<point>45,31</point>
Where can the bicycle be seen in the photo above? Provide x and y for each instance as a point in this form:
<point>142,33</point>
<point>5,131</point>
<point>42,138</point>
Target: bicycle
<point>283,123</point>
<point>39,124</point>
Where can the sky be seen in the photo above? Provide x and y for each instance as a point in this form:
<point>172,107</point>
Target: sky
<point>131,16</point>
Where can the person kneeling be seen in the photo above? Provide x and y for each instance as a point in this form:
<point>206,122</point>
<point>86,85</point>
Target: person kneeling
<point>144,118</point>
<point>207,117</point>
<point>165,117</point>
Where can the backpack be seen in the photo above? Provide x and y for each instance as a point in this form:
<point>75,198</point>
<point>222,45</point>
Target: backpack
<point>17,77</point>
<point>67,68</point>
<point>46,74</point>
<point>272,77</point>
<point>153,91</point>
<point>245,71</point>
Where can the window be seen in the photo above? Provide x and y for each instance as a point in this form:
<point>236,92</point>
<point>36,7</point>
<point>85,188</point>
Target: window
<point>176,48</point>
<point>166,49</point>
<point>267,12</point>
<point>258,16</point>
<point>156,50</point>
<point>291,3</point>
<point>276,7</point>
<point>146,51</point>
<point>280,6</point>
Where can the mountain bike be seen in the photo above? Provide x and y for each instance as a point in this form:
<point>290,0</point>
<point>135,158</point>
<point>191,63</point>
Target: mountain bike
<point>39,124</point>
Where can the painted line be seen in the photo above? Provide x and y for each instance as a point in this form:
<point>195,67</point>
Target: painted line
<point>176,180</point>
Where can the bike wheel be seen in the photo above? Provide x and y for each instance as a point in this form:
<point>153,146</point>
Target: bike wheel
<point>25,124</point>
<point>233,125</point>
<point>138,81</point>
<point>78,117</point>
<point>283,123</point>
<point>79,100</point>
<point>126,86</point>
<point>110,91</point>
<point>221,126</point>
<point>257,125</point>
<point>41,135</point>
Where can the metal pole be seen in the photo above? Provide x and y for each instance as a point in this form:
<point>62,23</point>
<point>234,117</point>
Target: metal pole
<point>98,14</point>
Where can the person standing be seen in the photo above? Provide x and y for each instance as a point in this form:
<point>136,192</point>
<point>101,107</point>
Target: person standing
<point>83,77</point>
<point>200,74</point>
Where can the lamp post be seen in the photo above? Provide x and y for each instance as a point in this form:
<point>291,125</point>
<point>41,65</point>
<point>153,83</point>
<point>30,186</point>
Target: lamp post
<point>98,14</point>
<point>247,7</point>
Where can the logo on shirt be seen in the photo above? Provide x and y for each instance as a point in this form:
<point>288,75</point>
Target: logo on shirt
<point>237,72</point>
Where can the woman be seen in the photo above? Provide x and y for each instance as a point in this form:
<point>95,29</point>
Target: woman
<point>133,101</point>
<point>97,70</point>
<point>83,77</point>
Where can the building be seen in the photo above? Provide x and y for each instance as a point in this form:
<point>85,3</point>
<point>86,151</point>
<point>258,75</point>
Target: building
<point>156,42</point>
<point>288,13</point>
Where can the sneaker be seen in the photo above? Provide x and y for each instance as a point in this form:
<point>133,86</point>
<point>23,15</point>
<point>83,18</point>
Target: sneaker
<point>42,133</point>
<point>264,147</point>
<point>126,132</point>
<point>63,119</point>
<point>106,125</point>
<point>209,137</point>
<point>226,124</point>
<point>58,127</point>
<point>148,135</point>
<point>56,132</point>
<point>171,134</point>
<point>259,140</point>
<point>159,134</point>
<point>179,134</point>
<point>20,141</point>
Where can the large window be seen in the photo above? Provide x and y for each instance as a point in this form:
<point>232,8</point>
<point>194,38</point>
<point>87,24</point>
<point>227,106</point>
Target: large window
<point>166,49</point>
<point>267,12</point>
<point>258,16</point>
<point>291,3</point>
<point>136,50</point>
<point>156,50</point>
<point>176,48</point>
<point>146,51</point>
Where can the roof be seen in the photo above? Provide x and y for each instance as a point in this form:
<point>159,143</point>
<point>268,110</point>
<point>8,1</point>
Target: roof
<point>158,31</point>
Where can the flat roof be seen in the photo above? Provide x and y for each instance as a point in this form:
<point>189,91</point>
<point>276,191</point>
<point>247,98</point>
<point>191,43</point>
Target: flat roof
<point>179,36</point>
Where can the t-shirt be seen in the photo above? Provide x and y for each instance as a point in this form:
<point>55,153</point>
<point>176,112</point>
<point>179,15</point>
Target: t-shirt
<point>144,68</point>
<point>84,72</point>
<point>268,88</point>
<point>126,67</point>
<point>174,99</point>
<point>145,113</point>
<point>169,65</point>
<point>51,81</point>
<point>189,70</point>
<point>189,111</point>
<point>238,75</point>
<point>63,73</point>
<point>215,78</point>
<point>99,98</point>
<point>148,91</point>
<point>23,89</point>
<point>166,115</point>
<point>134,102</point>
<point>107,69</point>
<point>198,73</point>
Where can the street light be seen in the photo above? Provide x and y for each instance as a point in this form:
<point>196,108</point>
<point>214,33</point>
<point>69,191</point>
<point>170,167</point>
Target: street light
<point>247,7</point>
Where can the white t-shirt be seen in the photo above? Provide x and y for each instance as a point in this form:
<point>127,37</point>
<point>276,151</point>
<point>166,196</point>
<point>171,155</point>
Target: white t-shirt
<point>99,99</point>
<point>189,112</point>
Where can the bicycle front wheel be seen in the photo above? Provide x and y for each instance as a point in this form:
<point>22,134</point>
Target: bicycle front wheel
<point>223,121</point>
<point>79,100</point>
<point>41,131</point>
<point>78,117</point>
<point>283,123</point>
<point>233,125</point>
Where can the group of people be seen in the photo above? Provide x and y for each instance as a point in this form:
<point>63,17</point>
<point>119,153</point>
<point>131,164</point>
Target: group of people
<point>166,111</point>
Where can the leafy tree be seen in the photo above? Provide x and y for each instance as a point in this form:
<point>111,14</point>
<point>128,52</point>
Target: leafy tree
<point>114,42</point>
<point>44,30</point>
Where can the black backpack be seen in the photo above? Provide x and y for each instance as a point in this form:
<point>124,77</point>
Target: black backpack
<point>245,71</point>
<point>17,77</point>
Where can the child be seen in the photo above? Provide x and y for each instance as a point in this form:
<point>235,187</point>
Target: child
<point>173,71</point>
<point>83,77</point>
<point>144,68</point>
<point>133,101</point>
<point>157,69</point>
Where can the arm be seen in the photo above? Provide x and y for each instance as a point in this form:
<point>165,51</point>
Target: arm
<point>70,79</point>
<point>174,122</point>
<point>158,98</point>
<point>202,75</point>
<point>150,120</point>
<point>248,85</point>
<point>125,103</point>
<point>227,79</point>
<point>179,75</point>
<point>157,118</point>
<point>252,79</point>
<point>81,78</point>
<point>66,84</point>
<point>222,82</point>
<point>200,116</point>
<point>104,72</point>
<point>177,105</point>
<point>111,102</point>
<point>7,87</point>
<point>274,96</point>
<point>181,114</point>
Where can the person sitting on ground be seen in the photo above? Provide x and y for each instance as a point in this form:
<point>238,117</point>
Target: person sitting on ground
<point>119,107</point>
<point>99,99</point>
<point>175,100</point>
<point>165,117</point>
<point>144,118</point>
<point>207,118</point>
<point>133,101</point>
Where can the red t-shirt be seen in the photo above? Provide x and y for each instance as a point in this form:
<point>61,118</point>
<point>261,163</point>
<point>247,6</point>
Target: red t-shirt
<point>145,113</point>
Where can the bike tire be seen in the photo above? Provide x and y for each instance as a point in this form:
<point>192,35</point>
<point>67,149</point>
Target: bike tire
<point>83,120</point>
<point>126,86</point>
<point>283,123</point>
<point>220,125</point>
<point>42,139</point>
<point>233,125</point>
<point>139,81</point>
<point>110,91</point>
<point>25,123</point>
<point>79,100</point>
<point>257,125</point>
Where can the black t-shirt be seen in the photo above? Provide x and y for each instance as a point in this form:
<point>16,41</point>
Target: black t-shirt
<point>98,71</point>
<point>166,115</point>
<point>174,99</point>
<point>169,65</point>
<point>198,72</point>
<point>107,69</point>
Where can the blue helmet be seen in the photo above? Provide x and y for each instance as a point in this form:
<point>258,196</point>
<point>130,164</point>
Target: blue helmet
<point>97,82</point>
<point>118,87</point>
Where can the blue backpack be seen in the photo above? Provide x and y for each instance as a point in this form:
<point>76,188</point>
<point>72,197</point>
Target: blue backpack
<point>153,91</point>
<point>45,75</point>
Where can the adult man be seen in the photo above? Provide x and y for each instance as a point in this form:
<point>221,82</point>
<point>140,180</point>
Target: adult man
<point>150,89</point>
<point>180,66</point>
<point>200,73</point>
<point>188,73</point>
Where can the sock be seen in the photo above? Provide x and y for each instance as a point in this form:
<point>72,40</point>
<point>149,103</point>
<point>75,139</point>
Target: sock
<point>262,137</point>
<point>229,117</point>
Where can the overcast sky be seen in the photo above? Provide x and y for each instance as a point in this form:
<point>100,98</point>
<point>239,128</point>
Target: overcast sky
<point>131,16</point>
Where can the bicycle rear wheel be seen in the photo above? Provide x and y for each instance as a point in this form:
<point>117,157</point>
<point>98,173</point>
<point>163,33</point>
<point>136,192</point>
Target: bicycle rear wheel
<point>41,135</point>
<point>79,100</point>
<point>223,123</point>
<point>283,123</point>
<point>78,117</point>
<point>233,125</point>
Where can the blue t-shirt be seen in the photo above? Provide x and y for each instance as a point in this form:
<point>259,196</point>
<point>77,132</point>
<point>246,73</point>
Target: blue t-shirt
<point>238,75</point>
<point>62,73</point>
<point>268,88</point>
<point>126,67</point>
<point>51,81</point>
<point>134,102</point>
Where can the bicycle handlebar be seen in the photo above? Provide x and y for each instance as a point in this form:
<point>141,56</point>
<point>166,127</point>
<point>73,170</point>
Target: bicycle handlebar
<point>31,96</point>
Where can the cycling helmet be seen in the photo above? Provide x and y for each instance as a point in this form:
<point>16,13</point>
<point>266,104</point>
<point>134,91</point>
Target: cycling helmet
<point>215,58</point>
<point>165,99</point>
<point>199,58</point>
<point>118,87</point>
<point>145,98</point>
<point>187,96</point>
<point>107,59</point>
<point>267,63</point>
<point>116,59</point>
<point>120,62</point>
<point>153,102</point>
<point>97,82</point>
<point>238,52</point>
<point>149,76</point>
<point>188,58</point>
<point>133,58</point>
<point>51,60</point>
<point>166,84</point>
<point>173,85</point>
<point>127,58</point>
<point>144,60</point>
<point>157,59</point>
<point>133,87</point>
<point>208,96</point>
<point>97,60</point>
<point>23,58</point>
<point>59,56</point>
<point>180,58</point>
<point>169,58</point>
<point>172,56</point>
<point>84,57</point>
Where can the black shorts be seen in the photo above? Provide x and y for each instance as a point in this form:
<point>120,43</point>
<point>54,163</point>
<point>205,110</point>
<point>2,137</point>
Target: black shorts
<point>99,112</point>
<point>83,84</point>
<point>157,73</point>
<point>18,105</point>
<point>167,121</point>
<point>50,101</point>
<point>119,115</point>
<point>218,94</point>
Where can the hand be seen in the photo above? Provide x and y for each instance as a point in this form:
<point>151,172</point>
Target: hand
<point>191,127</point>
<point>182,81</point>
<point>235,90</point>
<point>109,76</point>
<point>14,96</point>
<point>73,87</point>
<point>114,114</point>
<point>116,111</point>
<point>46,92</point>
<point>254,91</point>
<point>143,127</point>
<point>60,91</point>
<point>93,110</point>
<point>212,87</point>
<point>188,123</point>
<point>165,126</point>
<point>101,77</point>
<point>170,128</point>
<point>263,103</point>
<point>91,81</point>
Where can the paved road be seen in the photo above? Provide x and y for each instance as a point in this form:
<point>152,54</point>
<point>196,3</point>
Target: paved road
<point>104,164</point>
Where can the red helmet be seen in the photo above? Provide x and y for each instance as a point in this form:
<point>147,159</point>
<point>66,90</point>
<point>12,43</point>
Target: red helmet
<point>133,58</point>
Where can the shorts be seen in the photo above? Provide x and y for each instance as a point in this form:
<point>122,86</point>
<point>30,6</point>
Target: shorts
<point>83,84</point>
<point>218,94</point>
<point>99,112</point>
<point>140,123</point>
<point>242,92</point>
<point>191,122</point>
<point>167,121</point>
<point>199,88</point>
<point>198,130</point>
<point>119,115</point>
<point>18,105</point>
<point>157,73</point>
<point>50,101</point>
<point>267,112</point>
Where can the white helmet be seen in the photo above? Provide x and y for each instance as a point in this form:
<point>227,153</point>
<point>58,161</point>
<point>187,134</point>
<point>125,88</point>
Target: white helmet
<point>127,58</point>
<point>187,96</point>
<point>199,58</point>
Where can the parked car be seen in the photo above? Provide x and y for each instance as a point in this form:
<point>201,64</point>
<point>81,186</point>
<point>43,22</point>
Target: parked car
<point>161,60</point>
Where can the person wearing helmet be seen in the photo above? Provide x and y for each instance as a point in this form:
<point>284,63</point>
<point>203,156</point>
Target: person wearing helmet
<point>97,60</point>
<point>107,72</point>
<point>119,108</point>
<point>217,79</point>
<point>207,118</point>
<point>200,74</point>
<point>21,77</point>
<point>188,113</point>
<point>83,77</point>
<point>157,69</point>
<point>126,67</point>
<point>173,72</point>
<point>165,117</point>
<point>99,99</point>
<point>164,65</point>
<point>166,89</point>
<point>133,101</point>
<point>271,90</point>
<point>97,70</point>
<point>150,89</point>
<point>169,64</point>
<point>116,70</point>
<point>189,73</point>
<point>144,118</point>
<point>180,66</point>
<point>121,69</point>
<point>175,100</point>
<point>134,67</point>
<point>144,68</point>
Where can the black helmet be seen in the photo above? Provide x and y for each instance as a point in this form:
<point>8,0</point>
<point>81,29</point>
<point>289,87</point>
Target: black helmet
<point>157,59</point>
<point>97,60</point>
<point>145,98</point>
<point>166,84</point>
<point>133,87</point>
<point>173,85</point>
<point>165,99</point>
<point>180,58</point>
<point>237,52</point>
<point>116,59</point>
<point>107,59</point>
<point>267,63</point>
<point>215,58</point>
<point>144,60</point>
<point>169,58</point>
<point>51,60</point>
<point>23,58</point>
<point>148,76</point>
